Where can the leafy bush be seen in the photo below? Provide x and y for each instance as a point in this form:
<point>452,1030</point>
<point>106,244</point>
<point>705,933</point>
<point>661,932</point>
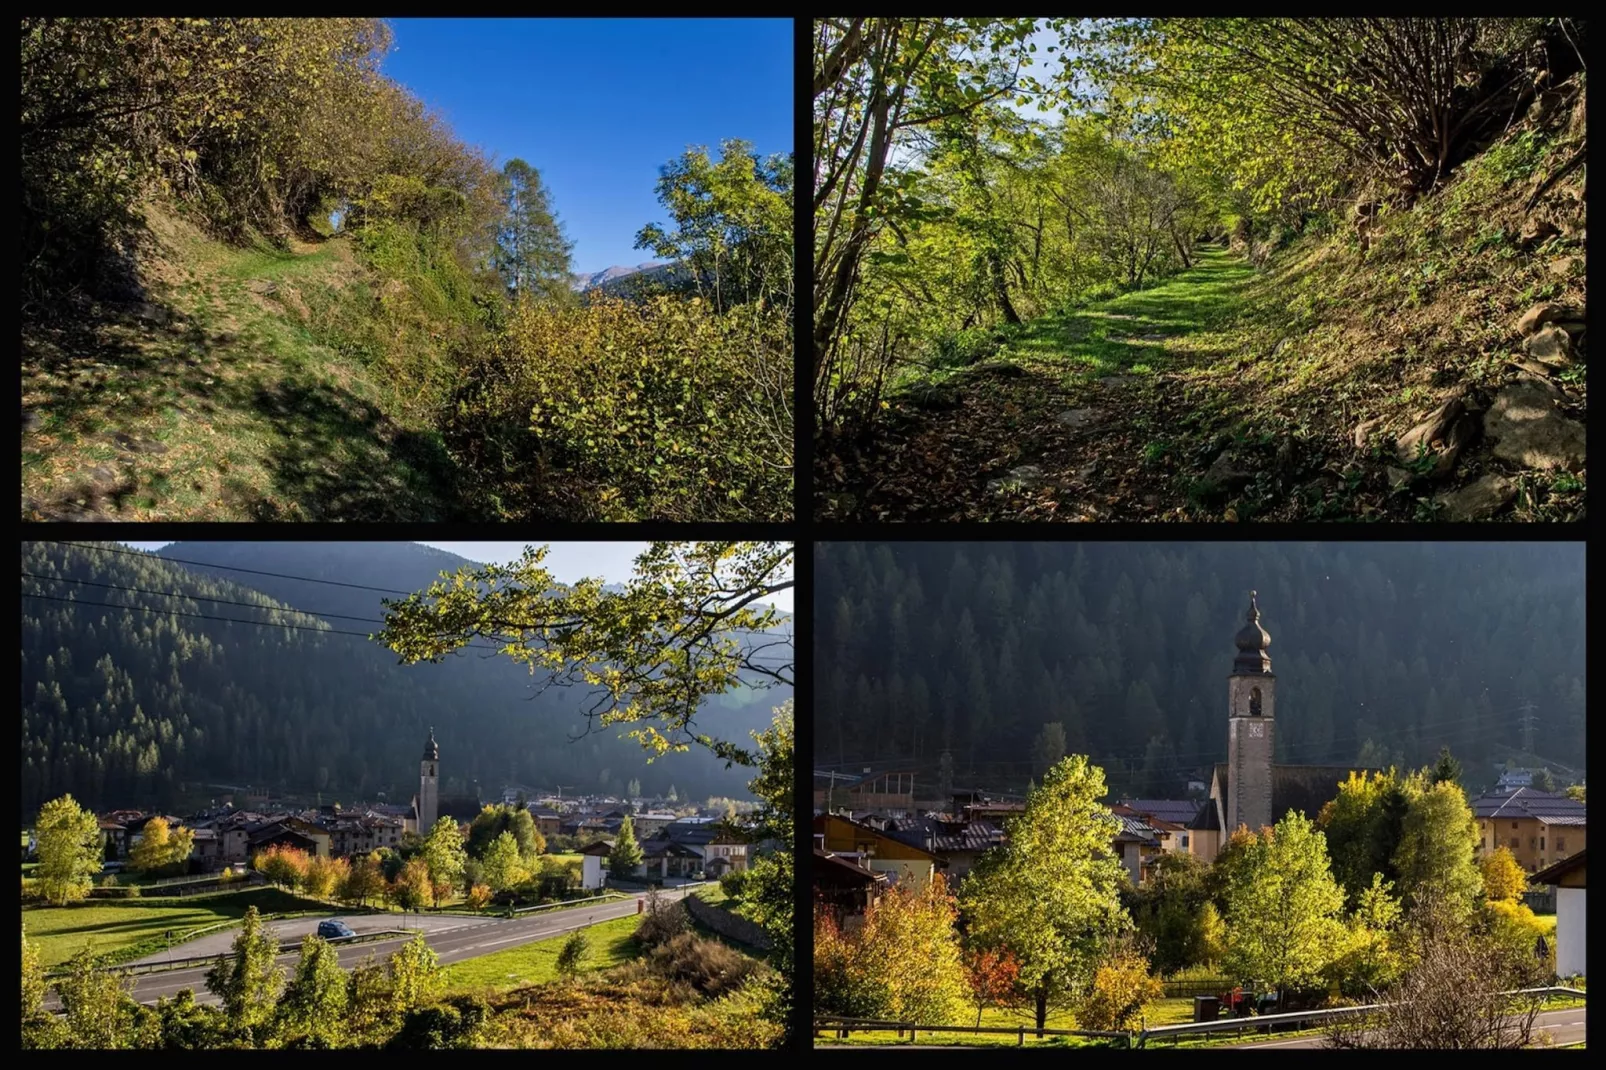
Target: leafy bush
<point>1122,988</point>
<point>619,411</point>
<point>453,1024</point>
<point>734,883</point>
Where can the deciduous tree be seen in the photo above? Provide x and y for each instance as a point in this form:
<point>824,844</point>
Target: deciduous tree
<point>1050,895</point>
<point>1503,878</point>
<point>313,1009</point>
<point>502,868</point>
<point>247,980</point>
<point>95,1002</point>
<point>445,857</point>
<point>69,851</point>
<point>1283,908</point>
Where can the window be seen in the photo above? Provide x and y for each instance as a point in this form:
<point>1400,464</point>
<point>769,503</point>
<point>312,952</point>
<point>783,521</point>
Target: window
<point>1514,843</point>
<point>1513,824</point>
<point>1185,840</point>
<point>1541,843</point>
<point>1561,843</point>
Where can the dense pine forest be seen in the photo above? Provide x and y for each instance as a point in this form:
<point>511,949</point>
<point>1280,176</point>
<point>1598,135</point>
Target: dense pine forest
<point>147,708</point>
<point>1383,653</point>
<point>261,280</point>
<point>1199,269</point>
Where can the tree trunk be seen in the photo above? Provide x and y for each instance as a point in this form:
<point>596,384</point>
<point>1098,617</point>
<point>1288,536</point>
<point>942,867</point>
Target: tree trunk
<point>1040,995</point>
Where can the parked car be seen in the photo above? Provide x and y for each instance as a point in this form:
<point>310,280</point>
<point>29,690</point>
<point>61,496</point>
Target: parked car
<point>112,867</point>
<point>333,928</point>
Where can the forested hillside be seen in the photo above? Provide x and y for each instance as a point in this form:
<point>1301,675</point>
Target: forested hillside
<point>1383,653</point>
<point>262,280</point>
<point>130,707</point>
<point>1199,269</point>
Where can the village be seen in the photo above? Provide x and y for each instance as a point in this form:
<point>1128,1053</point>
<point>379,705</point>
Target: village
<point>679,842</point>
<point>895,841</point>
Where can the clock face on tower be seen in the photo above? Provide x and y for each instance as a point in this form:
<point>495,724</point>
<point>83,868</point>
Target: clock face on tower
<point>1256,731</point>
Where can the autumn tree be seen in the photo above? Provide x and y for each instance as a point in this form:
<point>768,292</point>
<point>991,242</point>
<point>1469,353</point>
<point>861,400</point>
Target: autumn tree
<point>691,623</point>
<point>904,963</point>
<point>325,876</point>
<point>994,977</point>
<point>412,888</point>
<point>1050,895</point>
<point>161,848</point>
<point>1283,908</point>
<point>1363,824</point>
<point>626,854</point>
<point>363,881</point>
<point>313,1007</point>
<point>1503,878</point>
<point>247,980</point>
<point>1122,987</point>
<point>40,1028</point>
<point>1369,958</point>
<point>69,851</point>
<point>283,865</point>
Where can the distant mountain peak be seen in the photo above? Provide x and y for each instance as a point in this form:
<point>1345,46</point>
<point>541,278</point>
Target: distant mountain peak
<point>585,281</point>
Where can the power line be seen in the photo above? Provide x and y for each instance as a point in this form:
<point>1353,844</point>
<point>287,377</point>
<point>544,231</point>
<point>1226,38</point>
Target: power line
<point>201,598</point>
<point>199,616</point>
<point>230,568</point>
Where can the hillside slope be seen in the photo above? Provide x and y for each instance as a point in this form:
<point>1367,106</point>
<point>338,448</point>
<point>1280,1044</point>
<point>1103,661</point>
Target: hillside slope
<point>224,395</point>
<point>1428,365</point>
<point>129,705</point>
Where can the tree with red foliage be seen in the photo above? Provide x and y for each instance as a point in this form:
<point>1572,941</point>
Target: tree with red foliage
<point>994,978</point>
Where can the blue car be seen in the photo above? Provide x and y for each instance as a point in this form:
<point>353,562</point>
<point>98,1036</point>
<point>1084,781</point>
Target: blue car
<point>331,929</point>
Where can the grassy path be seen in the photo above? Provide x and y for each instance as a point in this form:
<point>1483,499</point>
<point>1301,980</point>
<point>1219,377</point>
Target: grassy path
<point>215,400</point>
<point>1223,393</point>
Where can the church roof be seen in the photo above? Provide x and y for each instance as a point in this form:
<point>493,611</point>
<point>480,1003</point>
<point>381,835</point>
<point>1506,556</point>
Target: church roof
<point>432,750</point>
<point>1303,788</point>
<point>1177,811</point>
<point>1252,641</point>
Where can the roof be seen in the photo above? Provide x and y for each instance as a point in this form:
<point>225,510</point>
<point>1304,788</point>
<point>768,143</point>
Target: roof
<point>1176,811</point>
<point>1555,872</point>
<point>110,825</point>
<point>657,848</point>
<point>1207,819</point>
<point>597,847</point>
<point>1135,830</point>
<point>1301,788</point>
<point>1527,802</point>
<point>914,840</point>
<point>933,833</point>
<point>842,870</point>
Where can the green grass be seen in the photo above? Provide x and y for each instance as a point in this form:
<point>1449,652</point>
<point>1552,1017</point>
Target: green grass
<point>1161,1012</point>
<point>233,409</point>
<point>613,943</point>
<point>125,929</point>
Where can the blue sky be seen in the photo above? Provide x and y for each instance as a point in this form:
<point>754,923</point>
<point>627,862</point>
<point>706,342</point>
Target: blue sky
<point>568,561</point>
<point>599,105</point>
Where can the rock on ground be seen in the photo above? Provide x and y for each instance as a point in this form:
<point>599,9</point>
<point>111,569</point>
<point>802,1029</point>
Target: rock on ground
<point>1026,477</point>
<point>1527,427</point>
<point>1076,419</point>
<point>1479,499</point>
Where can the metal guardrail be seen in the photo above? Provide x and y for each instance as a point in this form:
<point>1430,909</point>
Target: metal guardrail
<point>844,1026</point>
<point>167,965</point>
<point>1257,1021</point>
<point>1137,1038</point>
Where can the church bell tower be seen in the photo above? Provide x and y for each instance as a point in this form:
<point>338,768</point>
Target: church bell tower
<point>1251,695</point>
<point>429,784</point>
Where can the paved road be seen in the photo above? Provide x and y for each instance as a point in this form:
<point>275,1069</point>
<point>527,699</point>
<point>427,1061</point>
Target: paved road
<point>452,938</point>
<point>1565,1027</point>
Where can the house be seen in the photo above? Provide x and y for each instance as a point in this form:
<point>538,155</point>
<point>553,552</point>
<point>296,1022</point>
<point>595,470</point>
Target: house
<point>358,834</point>
<point>1135,845</point>
<point>207,849</point>
<point>650,822</point>
<point>1568,877</point>
<point>279,834</point>
<point>594,863</point>
<point>1170,816</point>
<point>1514,778</point>
<point>878,851</point>
<point>843,888</point>
<point>719,849</point>
<point>891,791</point>
<point>663,859</point>
<point>1540,827</point>
<point>113,839</point>
<point>956,840</point>
<point>546,821</point>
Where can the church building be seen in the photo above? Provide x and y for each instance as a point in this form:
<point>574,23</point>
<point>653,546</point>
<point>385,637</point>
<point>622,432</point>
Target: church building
<point>428,804</point>
<point>1249,788</point>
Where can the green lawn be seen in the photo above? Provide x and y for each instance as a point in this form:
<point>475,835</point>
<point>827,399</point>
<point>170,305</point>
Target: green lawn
<point>1161,1012</point>
<point>129,928</point>
<point>612,944</point>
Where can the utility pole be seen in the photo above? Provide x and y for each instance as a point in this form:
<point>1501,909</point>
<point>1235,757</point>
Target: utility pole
<point>1528,721</point>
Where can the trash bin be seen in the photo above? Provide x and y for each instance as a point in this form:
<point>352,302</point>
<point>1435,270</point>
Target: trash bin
<point>1206,1008</point>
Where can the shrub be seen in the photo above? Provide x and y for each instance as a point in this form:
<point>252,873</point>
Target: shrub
<point>616,410</point>
<point>708,966</point>
<point>734,883</point>
<point>1122,988</point>
<point>453,1024</point>
<point>479,896</point>
<point>572,956</point>
<point>662,922</point>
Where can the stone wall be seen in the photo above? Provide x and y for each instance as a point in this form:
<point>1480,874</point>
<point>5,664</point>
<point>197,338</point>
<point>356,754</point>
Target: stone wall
<point>729,925</point>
